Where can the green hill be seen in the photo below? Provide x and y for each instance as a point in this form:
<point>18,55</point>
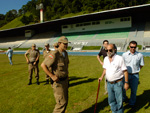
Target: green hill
<point>17,23</point>
<point>13,24</point>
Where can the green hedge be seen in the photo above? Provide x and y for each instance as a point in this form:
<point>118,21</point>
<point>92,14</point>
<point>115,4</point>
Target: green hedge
<point>91,47</point>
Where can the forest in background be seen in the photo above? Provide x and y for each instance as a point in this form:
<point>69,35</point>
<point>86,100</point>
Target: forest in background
<point>55,9</point>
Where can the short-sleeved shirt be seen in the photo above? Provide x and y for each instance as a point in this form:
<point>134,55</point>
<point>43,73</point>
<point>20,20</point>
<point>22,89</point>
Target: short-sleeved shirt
<point>114,69</point>
<point>46,53</point>
<point>58,63</point>
<point>133,61</point>
<point>102,53</point>
<point>33,54</point>
<point>9,52</point>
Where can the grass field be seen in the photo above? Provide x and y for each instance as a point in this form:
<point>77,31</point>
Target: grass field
<point>17,97</point>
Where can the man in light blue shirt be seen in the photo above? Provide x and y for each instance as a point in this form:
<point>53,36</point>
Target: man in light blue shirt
<point>9,53</point>
<point>134,62</point>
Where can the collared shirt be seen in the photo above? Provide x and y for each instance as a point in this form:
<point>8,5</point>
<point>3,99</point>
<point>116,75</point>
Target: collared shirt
<point>9,52</point>
<point>33,54</point>
<point>114,69</point>
<point>58,63</point>
<point>102,53</point>
<point>133,61</point>
<point>46,53</point>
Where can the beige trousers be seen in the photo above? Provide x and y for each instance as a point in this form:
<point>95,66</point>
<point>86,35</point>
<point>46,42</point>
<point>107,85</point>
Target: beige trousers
<point>61,96</point>
<point>34,68</point>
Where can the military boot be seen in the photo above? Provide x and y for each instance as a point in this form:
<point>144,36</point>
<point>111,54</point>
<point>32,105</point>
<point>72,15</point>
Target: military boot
<point>47,82</point>
<point>38,83</point>
<point>30,82</point>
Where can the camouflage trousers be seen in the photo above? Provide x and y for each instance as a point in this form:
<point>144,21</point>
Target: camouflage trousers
<point>61,96</point>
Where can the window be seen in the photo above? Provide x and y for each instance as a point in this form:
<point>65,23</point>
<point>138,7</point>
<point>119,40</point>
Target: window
<point>96,22</point>
<point>124,19</point>
<point>77,25</point>
<point>81,24</point>
<point>65,26</point>
<point>109,22</point>
<point>86,24</point>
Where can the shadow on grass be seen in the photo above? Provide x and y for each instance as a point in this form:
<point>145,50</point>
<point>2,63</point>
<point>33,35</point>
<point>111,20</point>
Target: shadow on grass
<point>100,106</point>
<point>83,81</point>
<point>76,78</point>
<point>142,100</point>
<point>39,82</point>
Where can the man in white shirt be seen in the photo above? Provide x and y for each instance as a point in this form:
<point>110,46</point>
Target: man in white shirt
<point>115,69</point>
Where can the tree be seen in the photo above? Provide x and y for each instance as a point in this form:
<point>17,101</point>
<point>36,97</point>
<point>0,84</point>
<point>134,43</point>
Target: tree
<point>10,15</point>
<point>2,17</point>
<point>25,20</point>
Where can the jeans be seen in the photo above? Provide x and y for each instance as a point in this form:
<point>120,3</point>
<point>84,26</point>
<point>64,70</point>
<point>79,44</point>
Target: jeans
<point>133,84</point>
<point>10,60</point>
<point>115,96</point>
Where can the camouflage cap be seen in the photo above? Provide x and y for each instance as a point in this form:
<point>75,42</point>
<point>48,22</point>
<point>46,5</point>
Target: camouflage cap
<point>33,45</point>
<point>46,44</point>
<point>55,44</point>
<point>63,39</point>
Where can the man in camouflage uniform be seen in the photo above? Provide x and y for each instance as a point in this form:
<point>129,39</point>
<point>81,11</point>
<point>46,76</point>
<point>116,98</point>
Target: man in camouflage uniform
<point>55,45</point>
<point>58,61</point>
<point>33,61</point>
<point>46,52</point>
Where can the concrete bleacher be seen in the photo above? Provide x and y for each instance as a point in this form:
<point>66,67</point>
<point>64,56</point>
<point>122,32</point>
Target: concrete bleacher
<point>95,38</point>
<point>39,40</point>
<point>146,37</point>
<point>12,41</point>
<point>137,33</point>
<point>115,33</point>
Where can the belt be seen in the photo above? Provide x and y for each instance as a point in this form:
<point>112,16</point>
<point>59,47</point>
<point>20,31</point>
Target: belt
<point>62,79</point>
<point>115,81</point>
<point>132,73</point>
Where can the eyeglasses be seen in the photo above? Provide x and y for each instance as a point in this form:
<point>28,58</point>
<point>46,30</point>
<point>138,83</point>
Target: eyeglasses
<point>133,47</point>
<point>65,43</point>
<point>110,50</point>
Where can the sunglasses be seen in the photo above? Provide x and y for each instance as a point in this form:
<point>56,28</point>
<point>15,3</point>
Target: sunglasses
<point>133,47</point>
<point>110,50</point>
<point>65,43</point>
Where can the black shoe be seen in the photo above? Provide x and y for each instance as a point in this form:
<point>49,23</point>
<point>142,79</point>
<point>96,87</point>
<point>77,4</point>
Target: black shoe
<point>126,100</point>
<point>47,82</point>
<point>37,82</point>
<point>131,106</point>
<point>30,82</point>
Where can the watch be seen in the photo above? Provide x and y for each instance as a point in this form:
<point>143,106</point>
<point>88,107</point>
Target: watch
<point>126,82</point>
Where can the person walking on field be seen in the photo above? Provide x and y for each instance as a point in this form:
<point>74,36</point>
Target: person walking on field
<point>46,52</point>
<point>114,69</point>
<point>134,62</point>
<point>104,54</point>
<point>9,53</point>
<point>58,61</point>
<point>33,61</point>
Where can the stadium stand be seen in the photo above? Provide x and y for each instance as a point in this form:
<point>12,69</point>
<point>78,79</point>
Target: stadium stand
<point>95,38</point>
<point>12,41</point>
<point>146,38</point>
<point>39,40</point>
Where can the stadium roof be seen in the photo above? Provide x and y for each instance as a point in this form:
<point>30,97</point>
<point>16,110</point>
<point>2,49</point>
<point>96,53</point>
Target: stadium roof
<point>134,11</point>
